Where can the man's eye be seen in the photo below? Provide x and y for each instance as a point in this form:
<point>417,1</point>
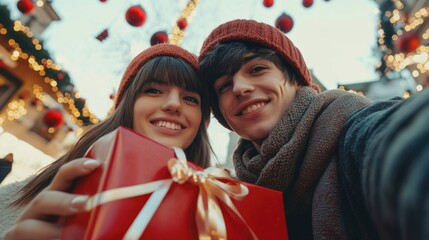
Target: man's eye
<point>257,69</point>
<point>224,86</point>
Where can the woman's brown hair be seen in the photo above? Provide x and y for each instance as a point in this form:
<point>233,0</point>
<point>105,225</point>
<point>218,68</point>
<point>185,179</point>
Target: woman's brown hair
<point>175,72</point>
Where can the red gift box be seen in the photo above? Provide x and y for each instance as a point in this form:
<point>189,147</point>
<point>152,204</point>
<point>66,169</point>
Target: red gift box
<point>131,160</point>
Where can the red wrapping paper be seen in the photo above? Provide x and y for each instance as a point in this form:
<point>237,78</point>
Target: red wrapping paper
<point>132,159</point>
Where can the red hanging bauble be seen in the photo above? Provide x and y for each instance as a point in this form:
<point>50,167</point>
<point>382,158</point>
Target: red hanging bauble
<point>25,6</point>
<point>158,37</point>
<point>103,35</point>
<point>307,3</point>
<point>135,16</point>
<point>53,118</point>
<point>284,22</point>
<point>408,42</point>
<point>182,23</point>
<point>103,1</point>
<point>268,3</point>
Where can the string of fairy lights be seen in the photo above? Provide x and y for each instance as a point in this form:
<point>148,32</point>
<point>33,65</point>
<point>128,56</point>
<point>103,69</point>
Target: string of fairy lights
<point>420,56</point>
<point>177,33</point>
<point>15,109</point>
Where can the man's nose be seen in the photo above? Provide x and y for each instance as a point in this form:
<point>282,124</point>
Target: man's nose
<point>241,85</point>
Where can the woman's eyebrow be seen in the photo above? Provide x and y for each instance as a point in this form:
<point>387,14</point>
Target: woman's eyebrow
<point>157,81</point>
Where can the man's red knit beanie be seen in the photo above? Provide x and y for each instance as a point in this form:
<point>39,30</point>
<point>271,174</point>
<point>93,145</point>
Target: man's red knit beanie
<point>148,54</point>
<point>261,34</point>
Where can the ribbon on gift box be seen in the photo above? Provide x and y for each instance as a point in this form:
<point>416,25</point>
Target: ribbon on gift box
<point>209,217</point>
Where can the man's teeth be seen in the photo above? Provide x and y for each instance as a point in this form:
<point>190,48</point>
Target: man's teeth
<point>168,125</point>
<point>253,107</point>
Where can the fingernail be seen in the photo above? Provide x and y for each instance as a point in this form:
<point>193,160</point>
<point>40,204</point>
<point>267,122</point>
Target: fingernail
<point>78,202</point>
<point>91,164</point>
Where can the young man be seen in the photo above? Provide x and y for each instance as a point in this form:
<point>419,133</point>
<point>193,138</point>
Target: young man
<point>337,157</point>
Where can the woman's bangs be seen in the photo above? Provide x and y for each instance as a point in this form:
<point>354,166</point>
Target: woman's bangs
<point>176,72</point>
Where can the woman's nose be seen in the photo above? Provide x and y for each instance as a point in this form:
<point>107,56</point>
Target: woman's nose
<point>172,103</point>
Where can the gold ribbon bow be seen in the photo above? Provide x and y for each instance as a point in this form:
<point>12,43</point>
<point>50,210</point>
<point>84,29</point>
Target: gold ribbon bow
<point>209,217</point>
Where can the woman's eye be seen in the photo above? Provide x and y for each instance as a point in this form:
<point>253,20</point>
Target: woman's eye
<point>257,69</point>
<point>152,90</point>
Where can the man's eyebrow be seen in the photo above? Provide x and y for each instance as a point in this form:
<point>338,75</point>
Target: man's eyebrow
<point>246,59</point>
<point>249,58</point>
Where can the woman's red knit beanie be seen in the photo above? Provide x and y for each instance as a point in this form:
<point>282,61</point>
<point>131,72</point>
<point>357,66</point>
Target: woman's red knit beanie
<point>261,34</point>
<point>148,54</point>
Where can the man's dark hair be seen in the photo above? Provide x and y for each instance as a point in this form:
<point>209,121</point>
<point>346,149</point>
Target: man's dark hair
<point>226,59</point>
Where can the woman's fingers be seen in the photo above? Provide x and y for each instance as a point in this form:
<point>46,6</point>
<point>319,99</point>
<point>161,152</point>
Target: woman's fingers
<point>35,222</point>
<point>72,170</point>
<point>53,203</point>
<point>33,229</point>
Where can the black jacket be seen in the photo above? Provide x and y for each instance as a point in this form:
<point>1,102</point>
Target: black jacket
<point>383,168</point>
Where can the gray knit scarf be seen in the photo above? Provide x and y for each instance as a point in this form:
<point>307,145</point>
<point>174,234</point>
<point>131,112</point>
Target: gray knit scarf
<point>296,155</point>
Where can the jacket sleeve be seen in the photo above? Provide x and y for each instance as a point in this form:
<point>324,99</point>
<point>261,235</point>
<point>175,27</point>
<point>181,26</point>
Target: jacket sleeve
<point>384,168</point>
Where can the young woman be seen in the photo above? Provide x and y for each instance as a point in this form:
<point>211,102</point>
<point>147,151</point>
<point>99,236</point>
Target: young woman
<point>160,96</point>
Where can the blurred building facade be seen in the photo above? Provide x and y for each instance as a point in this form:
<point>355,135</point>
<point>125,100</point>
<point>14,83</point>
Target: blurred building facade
<point>27,99</point>
<point>40,19</point>
<point>37,124</point>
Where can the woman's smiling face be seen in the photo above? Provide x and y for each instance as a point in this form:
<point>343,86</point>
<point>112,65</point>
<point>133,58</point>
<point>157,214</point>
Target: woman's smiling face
<point>167,114</point>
